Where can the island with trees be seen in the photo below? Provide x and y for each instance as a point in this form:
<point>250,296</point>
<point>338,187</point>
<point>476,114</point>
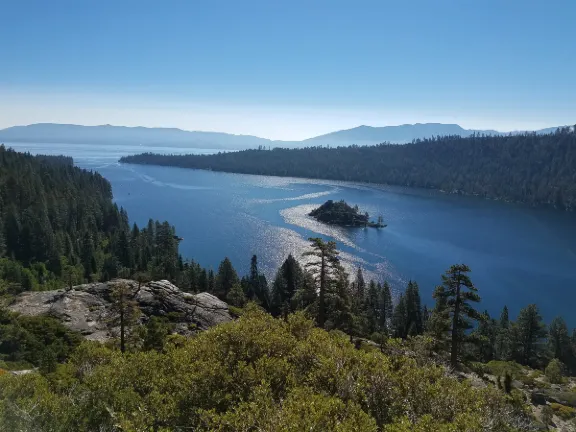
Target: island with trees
<point>341,213</point>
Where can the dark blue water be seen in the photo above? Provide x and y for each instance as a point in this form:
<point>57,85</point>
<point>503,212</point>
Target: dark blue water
<point>518,255</point>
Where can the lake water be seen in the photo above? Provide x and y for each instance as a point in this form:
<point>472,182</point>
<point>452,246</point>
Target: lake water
<point>518,255</point>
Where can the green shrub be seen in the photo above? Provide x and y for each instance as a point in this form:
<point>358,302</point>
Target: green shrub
<point>536,373</point>
<point>499,368</point>
<point>254,373</point>
<point>480,368</point>
<point>15,365</point>
<point>554,371</point>
<point>25,339</point>
<point>565,397</point>
<point>528,380</point>
<point>563,411</point>
<point>544,385</point>
<point>236,312</point>
<point>546,415</point>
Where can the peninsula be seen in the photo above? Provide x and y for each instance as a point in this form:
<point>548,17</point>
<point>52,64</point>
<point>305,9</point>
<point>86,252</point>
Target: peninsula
<point>340,213</point>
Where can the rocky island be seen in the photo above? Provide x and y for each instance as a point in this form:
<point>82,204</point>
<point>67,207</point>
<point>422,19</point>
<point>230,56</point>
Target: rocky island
<point>341,213</point>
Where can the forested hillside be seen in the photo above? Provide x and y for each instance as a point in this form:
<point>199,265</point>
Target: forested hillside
<point>529,168</point>
<point>58,225</point>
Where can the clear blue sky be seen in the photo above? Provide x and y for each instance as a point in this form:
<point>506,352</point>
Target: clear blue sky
<point>288,69</point>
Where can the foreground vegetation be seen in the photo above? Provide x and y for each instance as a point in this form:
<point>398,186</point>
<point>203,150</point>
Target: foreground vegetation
<point>529,168</point>
<point>337,350</point>
<point>258,373</point>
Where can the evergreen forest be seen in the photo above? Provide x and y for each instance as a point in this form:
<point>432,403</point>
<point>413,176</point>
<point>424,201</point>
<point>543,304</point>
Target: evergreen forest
<point>60,227</point>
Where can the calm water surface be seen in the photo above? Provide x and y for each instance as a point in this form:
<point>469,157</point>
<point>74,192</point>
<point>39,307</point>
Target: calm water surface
<point>518,255</point>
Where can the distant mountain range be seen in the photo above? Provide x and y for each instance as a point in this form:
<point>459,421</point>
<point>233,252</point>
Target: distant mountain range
<point>52,133</point>
<point>402,134</point>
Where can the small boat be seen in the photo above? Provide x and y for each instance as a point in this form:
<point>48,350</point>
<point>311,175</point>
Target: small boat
<point>178,238</point>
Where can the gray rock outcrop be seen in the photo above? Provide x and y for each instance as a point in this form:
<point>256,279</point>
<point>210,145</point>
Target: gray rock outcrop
<point>87,308</point>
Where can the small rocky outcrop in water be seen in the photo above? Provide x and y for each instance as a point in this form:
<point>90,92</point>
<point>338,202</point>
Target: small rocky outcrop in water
<point>86,308</point>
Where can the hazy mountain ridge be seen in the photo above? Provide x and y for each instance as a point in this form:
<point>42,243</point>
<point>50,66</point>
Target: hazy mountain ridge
<point>173,137</point>
<point>107,134</point>
<point>396,134</point>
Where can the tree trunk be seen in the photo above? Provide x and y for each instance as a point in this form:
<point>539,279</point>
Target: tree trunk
<point>454,349</point>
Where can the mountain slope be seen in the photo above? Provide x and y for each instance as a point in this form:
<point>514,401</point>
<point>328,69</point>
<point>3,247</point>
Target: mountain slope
<point>401,134</point>
<point>172,137</point>
<point>107,134</point>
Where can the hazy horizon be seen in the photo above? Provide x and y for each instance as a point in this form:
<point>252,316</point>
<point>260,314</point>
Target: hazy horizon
<point>288,71</point>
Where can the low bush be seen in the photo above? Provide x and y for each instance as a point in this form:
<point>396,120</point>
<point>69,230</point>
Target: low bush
<point>499,368</point>
<point>255,373</point>
<point>480,368</point>
<point>554,371</point>
<point>563,411</point>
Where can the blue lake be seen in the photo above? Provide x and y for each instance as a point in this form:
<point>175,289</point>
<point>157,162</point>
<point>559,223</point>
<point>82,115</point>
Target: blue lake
<point>518,255</point>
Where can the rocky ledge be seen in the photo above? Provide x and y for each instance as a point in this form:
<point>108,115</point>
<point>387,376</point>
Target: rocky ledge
<point>87,308</point>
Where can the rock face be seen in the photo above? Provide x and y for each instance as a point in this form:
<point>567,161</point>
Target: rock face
<point>87,308</point>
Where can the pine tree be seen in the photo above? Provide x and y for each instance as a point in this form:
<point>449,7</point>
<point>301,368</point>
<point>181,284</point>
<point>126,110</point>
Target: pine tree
<point>2,238</point>
<point>226,278</point>
<point>279,299</point>
<point>12,229</point>
<point>257,286</point>
<point>142,278</point>
<point>123,251</point>
<point>125,311</point>
<point>203,281</point>
<point>502,350</point>
<point>414,324</point>
<point>485,338</point>
<point>572,363</point>
<point>400,318</point>
<point>306,296</point>
<point>211,281</point>
<point>88,255</point>
<point>287,281</point>
<point>559,340</point>
<point>528,337</point>
<point>326,268</point>
<point>386,307</point>
<point>236,296</point>
<point>191,276</point>
<point>425,317</point>
<point>359,292</point>
<point>157,330</point>
<point>458,291</point>
<point>339,306</point>
<point>372,308</point>
<point>253,279</point>
<point>504,318</point>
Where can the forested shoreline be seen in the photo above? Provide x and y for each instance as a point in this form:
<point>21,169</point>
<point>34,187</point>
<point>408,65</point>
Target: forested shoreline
<point>538,170</point>
<point>59,226</point>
